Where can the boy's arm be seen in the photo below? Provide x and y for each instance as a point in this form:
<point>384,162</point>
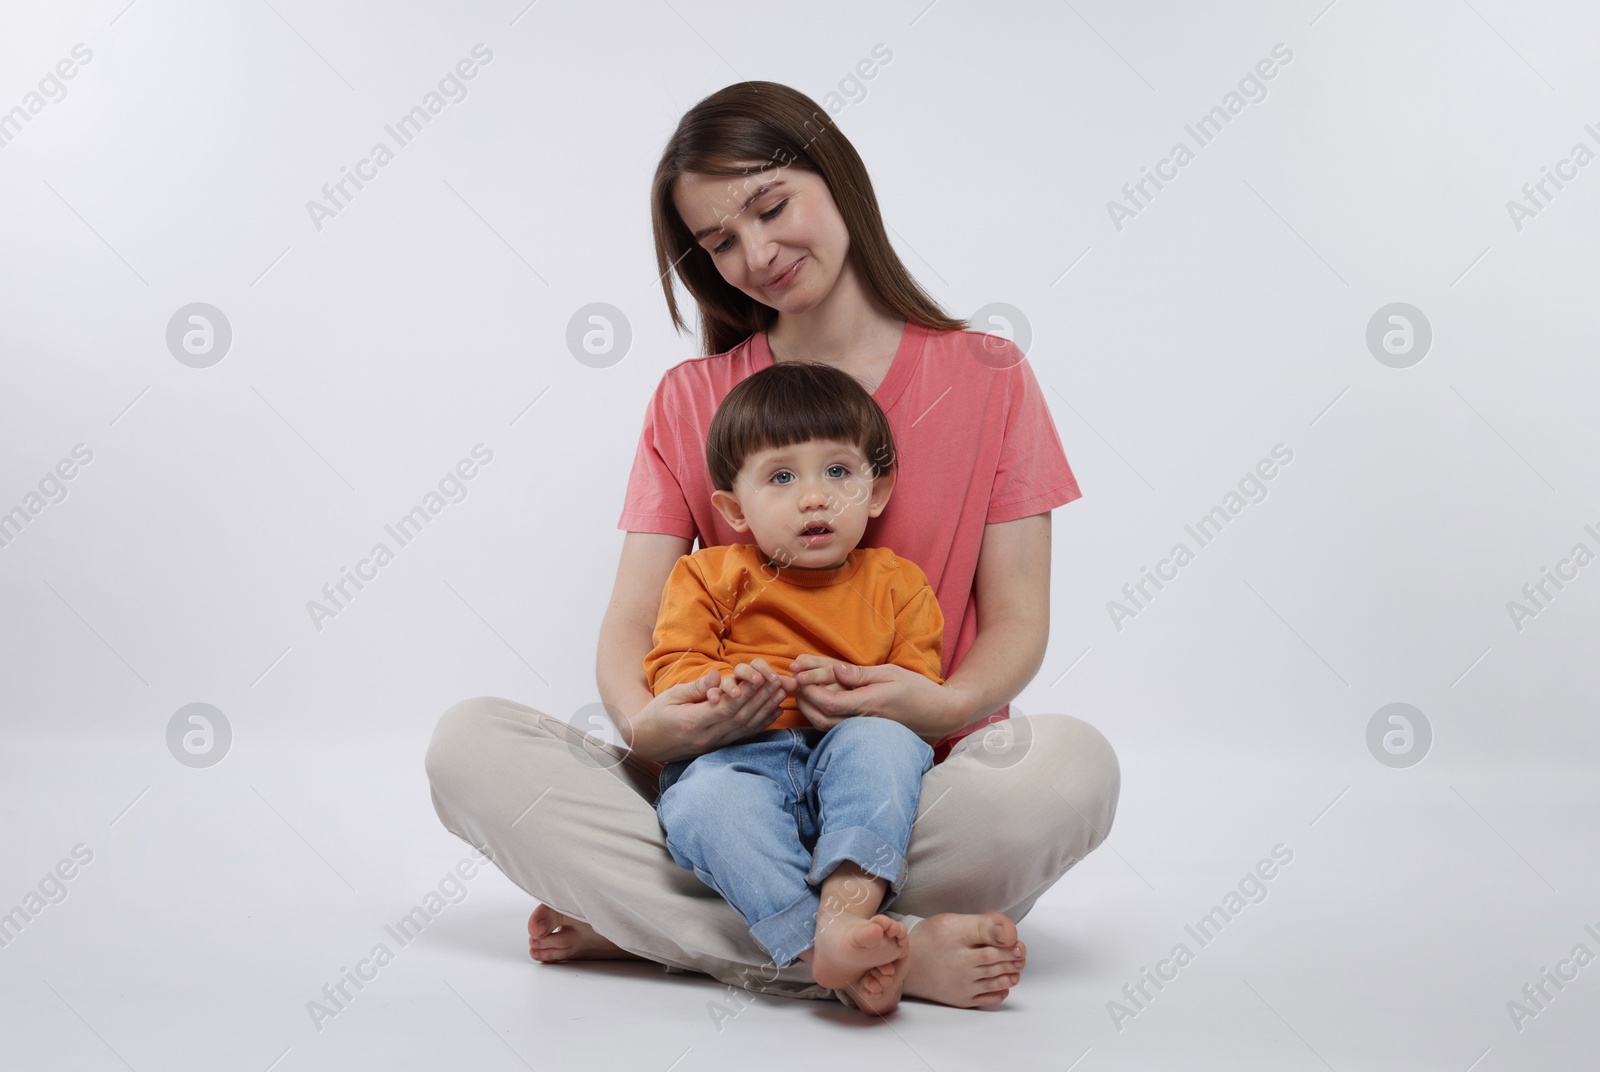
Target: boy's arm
<point>919,638</point>
<point>919,631</point>
<point>919,635</point>
<point>688,632</point>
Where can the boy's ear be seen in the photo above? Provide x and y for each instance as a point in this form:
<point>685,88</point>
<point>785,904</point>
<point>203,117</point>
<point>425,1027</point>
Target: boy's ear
<point>882,487</point>
<point>728,503</point>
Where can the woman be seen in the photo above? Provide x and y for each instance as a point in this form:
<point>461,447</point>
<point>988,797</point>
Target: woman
<point>767,215</point>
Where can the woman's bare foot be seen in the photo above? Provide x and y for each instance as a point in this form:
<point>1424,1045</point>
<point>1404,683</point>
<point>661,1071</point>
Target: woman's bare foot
<point>553,937</point>
<point>967,961</point>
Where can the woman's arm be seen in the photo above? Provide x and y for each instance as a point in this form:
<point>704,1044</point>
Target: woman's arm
<point>689,718</point>
<point>626,631</point>
<point>1013,593</point>
<point>1013,596</point>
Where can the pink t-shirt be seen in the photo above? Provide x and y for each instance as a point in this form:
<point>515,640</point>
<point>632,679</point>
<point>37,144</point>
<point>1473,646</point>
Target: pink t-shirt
<point>976,446</point>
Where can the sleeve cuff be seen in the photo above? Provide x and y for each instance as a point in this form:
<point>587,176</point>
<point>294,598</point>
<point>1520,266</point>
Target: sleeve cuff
<point>1033,504</point>
<point>666,524</point>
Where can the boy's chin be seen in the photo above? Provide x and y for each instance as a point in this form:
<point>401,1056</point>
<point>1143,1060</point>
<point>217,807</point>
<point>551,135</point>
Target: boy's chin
<point>821,558</point>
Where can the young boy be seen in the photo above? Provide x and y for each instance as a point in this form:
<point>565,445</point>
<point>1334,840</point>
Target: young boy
<point>802,458</point>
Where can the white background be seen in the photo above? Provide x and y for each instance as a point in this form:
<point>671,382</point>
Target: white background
<point>371,355</point>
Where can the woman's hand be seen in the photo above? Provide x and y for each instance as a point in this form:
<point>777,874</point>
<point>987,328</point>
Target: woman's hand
<point>829,691</point>
<point>716,709</point>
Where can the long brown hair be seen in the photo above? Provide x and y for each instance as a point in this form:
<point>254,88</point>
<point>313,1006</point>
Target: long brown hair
<point>750,127</point>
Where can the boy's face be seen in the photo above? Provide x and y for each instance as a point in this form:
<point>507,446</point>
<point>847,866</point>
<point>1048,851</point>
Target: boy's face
<point>784,493</point>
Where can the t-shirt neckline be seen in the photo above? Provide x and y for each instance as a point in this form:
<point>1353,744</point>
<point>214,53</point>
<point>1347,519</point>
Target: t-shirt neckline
<point>819,578</point>
<point>894,382</point>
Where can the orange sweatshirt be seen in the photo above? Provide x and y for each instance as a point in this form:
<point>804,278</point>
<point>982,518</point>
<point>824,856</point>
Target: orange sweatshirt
<point>724,605</point>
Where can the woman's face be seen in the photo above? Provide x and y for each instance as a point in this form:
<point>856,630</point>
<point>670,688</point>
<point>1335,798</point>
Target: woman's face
<point>776,235</point>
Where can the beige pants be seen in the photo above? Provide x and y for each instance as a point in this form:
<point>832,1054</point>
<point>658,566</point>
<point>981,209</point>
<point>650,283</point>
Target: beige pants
<point>571,821</point>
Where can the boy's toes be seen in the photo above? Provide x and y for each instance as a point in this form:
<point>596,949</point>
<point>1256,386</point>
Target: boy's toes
<point>894,930</point>
<point>876,993</point>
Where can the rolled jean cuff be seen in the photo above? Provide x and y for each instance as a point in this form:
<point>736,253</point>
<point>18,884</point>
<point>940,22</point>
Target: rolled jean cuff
<point>866,850</point>
<point>789,932</point>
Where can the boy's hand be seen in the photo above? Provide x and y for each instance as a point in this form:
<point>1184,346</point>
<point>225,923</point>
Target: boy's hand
<point>829,691</point>
<point>746,678</point>
<point>814,670</point>
<point>820,674</point>
<point>718,709</point>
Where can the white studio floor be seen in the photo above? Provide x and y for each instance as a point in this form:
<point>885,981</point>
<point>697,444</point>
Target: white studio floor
<point>216,904</point>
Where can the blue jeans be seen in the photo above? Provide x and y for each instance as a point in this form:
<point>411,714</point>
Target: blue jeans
<point>764,820</point>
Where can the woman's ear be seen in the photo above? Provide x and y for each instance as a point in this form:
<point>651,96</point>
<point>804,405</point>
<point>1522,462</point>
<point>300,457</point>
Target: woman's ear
<point>728,504</point>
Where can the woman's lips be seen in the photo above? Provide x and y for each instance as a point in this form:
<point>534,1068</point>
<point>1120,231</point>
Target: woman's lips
<point>787,277</point>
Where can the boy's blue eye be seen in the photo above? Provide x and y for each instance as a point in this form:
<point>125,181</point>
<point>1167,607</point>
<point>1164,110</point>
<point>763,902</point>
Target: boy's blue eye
<point>836,471</point>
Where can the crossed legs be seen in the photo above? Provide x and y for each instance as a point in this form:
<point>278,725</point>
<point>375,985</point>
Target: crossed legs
<point>998,823</point>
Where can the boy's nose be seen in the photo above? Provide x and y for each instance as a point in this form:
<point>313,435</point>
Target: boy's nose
<point>814,497</point>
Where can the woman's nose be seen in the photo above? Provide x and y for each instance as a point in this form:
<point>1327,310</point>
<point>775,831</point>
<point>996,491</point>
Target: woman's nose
<point>762,259</point>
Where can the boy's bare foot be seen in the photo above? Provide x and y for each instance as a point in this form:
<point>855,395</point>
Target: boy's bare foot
<point>553,937</point>
<point>849,946</point>
<point>879,990</point>
<point>967,961</point>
